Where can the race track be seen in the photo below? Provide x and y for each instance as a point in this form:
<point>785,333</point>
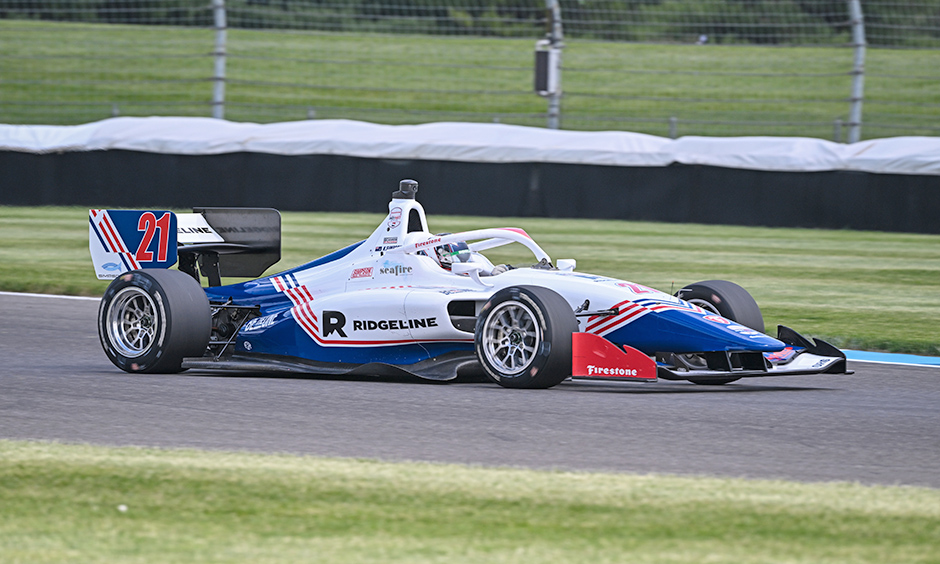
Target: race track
<point>881,425</point>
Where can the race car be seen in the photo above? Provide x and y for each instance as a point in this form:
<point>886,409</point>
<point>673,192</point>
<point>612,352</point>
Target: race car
<point>409,302</point>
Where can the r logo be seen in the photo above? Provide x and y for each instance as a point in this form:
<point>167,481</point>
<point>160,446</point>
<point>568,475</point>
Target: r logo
<point>333,321</point>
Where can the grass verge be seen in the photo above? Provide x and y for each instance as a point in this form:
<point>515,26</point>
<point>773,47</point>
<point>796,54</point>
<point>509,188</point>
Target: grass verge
<point>865,290</point>
<point>64,503</point>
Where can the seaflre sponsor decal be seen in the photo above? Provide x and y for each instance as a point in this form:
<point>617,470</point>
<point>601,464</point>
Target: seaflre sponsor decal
<point>362,273</point>
<point>395,270</point>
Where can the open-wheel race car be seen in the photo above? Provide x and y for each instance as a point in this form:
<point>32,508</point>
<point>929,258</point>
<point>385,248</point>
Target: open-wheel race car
<point>406,301</point>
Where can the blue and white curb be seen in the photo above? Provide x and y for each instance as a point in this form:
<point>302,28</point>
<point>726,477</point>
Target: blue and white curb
<point>892,358</point>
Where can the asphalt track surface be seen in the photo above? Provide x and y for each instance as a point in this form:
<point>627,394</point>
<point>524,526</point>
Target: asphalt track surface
<point>878,426</point>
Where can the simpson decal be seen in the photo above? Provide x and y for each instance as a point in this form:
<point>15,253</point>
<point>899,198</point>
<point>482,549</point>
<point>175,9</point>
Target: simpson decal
<point>362,273</point>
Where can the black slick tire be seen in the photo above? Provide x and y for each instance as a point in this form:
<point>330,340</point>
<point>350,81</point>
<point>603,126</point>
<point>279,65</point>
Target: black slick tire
<point>728,300</point>
<point>523,337</point>
<point>150,320</point>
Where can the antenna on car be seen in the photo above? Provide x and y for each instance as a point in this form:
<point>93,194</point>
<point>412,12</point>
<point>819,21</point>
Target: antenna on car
<point>406,190</point>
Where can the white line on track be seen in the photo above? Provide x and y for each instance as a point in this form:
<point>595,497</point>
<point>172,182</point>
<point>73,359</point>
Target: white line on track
<point>895,363</point>
<point>28,295</point>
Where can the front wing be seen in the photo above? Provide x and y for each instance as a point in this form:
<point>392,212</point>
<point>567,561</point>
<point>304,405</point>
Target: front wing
<point>597,359</point>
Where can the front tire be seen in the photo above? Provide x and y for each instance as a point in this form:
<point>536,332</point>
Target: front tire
<point>523,337</point>
<point>728,300</point>
<point>150,320</point>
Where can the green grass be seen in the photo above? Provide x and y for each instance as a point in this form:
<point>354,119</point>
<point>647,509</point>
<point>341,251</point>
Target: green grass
<point>864,290</point>
<point>64,73</point>
<point>62,503</point>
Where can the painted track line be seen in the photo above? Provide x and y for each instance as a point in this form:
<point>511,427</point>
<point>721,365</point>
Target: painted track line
<point>54,296</point>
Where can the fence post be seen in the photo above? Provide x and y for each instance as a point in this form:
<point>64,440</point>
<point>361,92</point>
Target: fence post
<point>858,71</point>
<point>218,78</point>
<point>554,37</point>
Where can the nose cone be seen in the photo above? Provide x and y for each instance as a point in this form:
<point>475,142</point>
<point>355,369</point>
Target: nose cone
<point>691,332</point>
<point>699,333</point>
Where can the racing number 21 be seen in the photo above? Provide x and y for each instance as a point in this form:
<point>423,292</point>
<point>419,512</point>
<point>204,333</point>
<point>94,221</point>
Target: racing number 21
<point>149,223</point>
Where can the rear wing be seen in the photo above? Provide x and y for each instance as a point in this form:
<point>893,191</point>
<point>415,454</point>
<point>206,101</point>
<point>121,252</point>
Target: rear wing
<point>216,242</point>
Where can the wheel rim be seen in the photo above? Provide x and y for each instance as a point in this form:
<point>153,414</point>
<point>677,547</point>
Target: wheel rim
<point>511,338</point>
<point>131,322</point>
<point>707,306</point>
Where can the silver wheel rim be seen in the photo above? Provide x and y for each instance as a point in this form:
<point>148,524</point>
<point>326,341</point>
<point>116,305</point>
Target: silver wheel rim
<point>707,306</point>
<point>131,322</point>
<point>511,338</point>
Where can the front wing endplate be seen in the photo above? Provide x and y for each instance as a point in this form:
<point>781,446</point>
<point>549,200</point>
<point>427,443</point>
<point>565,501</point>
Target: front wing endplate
<point>595,357</point>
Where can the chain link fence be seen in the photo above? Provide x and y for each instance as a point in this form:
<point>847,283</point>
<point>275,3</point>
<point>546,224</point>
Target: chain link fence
<point>665,67</point>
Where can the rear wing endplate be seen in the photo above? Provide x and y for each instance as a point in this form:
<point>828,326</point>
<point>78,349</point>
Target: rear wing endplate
<point>216,242</point>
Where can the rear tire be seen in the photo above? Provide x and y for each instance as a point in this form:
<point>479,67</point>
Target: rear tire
<point>523,337</point>
<point>728,300</point>
<point>150,320</point>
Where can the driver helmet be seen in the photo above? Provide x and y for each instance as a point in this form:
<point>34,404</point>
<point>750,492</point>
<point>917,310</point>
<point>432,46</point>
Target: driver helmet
<point>449,253</point>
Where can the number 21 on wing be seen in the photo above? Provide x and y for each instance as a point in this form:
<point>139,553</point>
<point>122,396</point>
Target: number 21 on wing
<point>150,225</point>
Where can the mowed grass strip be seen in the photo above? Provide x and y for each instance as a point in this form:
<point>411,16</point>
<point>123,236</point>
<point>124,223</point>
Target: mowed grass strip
<point>66,73</point>
<point>865,290</point>
<point>69,503</point>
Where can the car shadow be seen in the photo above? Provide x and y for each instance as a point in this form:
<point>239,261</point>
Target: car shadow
<point>568,386</point>
<point>680,387</point>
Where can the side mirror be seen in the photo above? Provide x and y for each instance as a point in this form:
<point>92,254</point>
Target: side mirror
<point>470,269</point>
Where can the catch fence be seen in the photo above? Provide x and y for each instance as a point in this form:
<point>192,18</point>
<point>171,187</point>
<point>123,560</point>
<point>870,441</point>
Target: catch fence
<point>812,68</point>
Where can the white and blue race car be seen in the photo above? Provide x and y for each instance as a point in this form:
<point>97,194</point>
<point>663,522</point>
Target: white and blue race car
<point>407,301</point>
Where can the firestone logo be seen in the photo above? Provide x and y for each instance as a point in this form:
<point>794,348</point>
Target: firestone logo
<point>606,371</point>
<point>428,242</point>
